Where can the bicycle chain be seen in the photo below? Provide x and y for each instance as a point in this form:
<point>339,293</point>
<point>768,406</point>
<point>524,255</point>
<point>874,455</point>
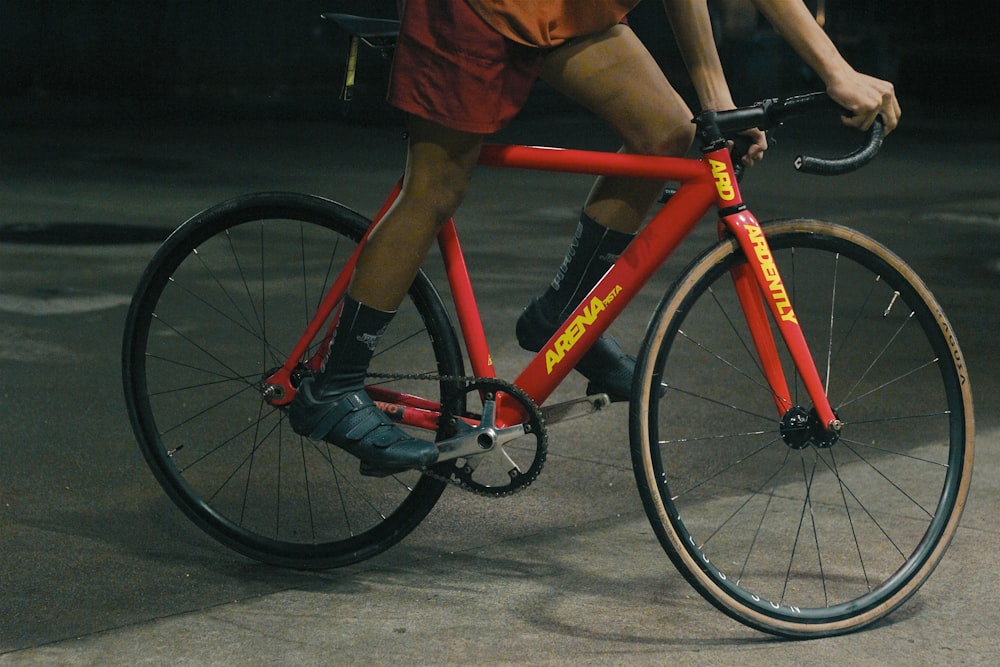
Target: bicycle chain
<point>536,422</point>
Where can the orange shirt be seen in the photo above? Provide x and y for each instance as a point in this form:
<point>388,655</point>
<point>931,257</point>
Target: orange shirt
<point>546,23</point>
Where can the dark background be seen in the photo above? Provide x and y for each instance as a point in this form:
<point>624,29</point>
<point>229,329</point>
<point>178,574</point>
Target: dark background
<point>72,51</point>
<point>121,118</point>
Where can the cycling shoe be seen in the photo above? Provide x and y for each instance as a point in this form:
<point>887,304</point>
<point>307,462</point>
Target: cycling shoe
<point>354,423</point>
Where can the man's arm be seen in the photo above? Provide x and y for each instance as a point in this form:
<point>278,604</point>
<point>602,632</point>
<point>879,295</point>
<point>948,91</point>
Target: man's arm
<point>692,28</point>
<point>864,96</point>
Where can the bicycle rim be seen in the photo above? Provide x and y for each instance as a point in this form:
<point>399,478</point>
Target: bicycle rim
<point>818,540</point>
<point>217,311</point>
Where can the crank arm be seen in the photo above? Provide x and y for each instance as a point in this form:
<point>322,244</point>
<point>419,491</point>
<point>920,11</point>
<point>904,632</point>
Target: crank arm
<point>579,407</point>
<point>480,439</point>
<point>477,441</point>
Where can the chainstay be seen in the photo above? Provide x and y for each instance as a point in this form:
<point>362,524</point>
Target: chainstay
<point>431,377</point>
<point>502,385</point>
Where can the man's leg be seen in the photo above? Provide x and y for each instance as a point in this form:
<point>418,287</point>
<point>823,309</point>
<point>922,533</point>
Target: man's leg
<point>439,165</point>
<point>614,76</point>
<point>333,405</point>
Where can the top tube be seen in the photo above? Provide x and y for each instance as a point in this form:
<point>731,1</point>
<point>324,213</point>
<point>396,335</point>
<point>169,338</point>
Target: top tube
<point>596,163</point>
<point>714,131</point>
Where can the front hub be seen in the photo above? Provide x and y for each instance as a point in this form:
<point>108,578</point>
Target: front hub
<point>801,429</point>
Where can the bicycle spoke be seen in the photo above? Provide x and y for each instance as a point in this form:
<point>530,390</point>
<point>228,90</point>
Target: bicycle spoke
<point>898,378</point>
<point>243,278</point>
<point>722,471</point>
<point>736,331</point>
<point>201,412</point>
<point>713,401</point>
<point>255,333</point>
<point>220,378</point>
<point>198,346</point>
<point>844,490</point>
<point>756,379</point>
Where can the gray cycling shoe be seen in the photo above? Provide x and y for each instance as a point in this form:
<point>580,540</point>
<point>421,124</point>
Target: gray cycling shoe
<point>354,423</point>
<point>606,365</point>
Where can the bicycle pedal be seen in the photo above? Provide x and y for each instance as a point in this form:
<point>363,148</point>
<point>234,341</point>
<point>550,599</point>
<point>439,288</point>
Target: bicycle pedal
<point>574,409</point>
<point>372,470</point>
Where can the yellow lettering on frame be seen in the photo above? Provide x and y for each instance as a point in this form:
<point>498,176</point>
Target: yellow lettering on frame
<point>723,181</point>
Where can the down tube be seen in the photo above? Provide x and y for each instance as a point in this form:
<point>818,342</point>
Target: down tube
<point>750,236</point>
<point>643,256</point>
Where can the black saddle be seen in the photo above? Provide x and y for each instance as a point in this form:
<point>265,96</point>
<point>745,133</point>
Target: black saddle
<point>379,34</point>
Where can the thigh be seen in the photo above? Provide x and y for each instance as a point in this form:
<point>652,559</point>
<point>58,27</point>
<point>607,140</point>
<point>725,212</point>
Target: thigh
<point>614,75</point>
<point>439,165</point>
<point>452,68</point>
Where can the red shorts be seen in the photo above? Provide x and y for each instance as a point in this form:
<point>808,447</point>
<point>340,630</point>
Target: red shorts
<point>452,68</point>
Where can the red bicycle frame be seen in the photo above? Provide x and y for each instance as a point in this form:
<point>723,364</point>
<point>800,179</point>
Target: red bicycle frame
<point>704,183</point>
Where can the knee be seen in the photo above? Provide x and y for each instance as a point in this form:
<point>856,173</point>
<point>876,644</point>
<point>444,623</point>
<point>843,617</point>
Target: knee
<point>668,141</point>
<point>437,195</point>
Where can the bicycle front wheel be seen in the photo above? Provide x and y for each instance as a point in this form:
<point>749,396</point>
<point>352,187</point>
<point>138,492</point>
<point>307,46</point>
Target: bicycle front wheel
<point>792,537</point>
<point>216,313</point>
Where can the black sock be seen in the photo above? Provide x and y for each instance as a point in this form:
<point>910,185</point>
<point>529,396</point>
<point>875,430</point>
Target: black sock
<point>591,253</point>
<point>358,331</point>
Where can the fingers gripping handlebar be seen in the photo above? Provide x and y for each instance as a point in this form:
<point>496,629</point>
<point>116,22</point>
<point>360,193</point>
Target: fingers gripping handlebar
<point>770,113</point>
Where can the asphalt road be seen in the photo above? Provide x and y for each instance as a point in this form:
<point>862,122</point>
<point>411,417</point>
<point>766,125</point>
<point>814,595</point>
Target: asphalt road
<point>98,567</point>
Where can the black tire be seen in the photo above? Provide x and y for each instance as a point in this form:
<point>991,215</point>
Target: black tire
<point>818,540</point>
<point>216,311</point>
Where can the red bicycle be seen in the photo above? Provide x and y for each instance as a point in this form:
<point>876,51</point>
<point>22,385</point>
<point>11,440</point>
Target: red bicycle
<point>800,421</point>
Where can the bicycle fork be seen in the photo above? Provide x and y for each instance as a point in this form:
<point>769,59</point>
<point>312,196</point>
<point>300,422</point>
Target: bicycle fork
<point>761,290</point>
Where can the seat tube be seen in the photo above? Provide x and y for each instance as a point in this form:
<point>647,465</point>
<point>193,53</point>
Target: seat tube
<point>465,301</point>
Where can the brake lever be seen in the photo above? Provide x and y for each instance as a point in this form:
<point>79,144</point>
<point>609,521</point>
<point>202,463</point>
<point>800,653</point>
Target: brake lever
<point>739,150</point>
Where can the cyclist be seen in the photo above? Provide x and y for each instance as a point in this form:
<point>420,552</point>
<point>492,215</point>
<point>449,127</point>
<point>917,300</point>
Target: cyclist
<point>462,69</point>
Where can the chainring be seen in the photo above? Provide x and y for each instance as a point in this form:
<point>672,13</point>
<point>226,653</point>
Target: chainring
<point>506,468</point>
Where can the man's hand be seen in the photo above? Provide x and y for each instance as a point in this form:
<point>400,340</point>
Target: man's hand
<point>758,144</point>
<point>866,97</point>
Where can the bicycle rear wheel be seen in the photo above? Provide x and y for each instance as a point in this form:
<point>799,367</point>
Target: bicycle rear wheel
<point>217,311</point>
<point>804,540</point>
